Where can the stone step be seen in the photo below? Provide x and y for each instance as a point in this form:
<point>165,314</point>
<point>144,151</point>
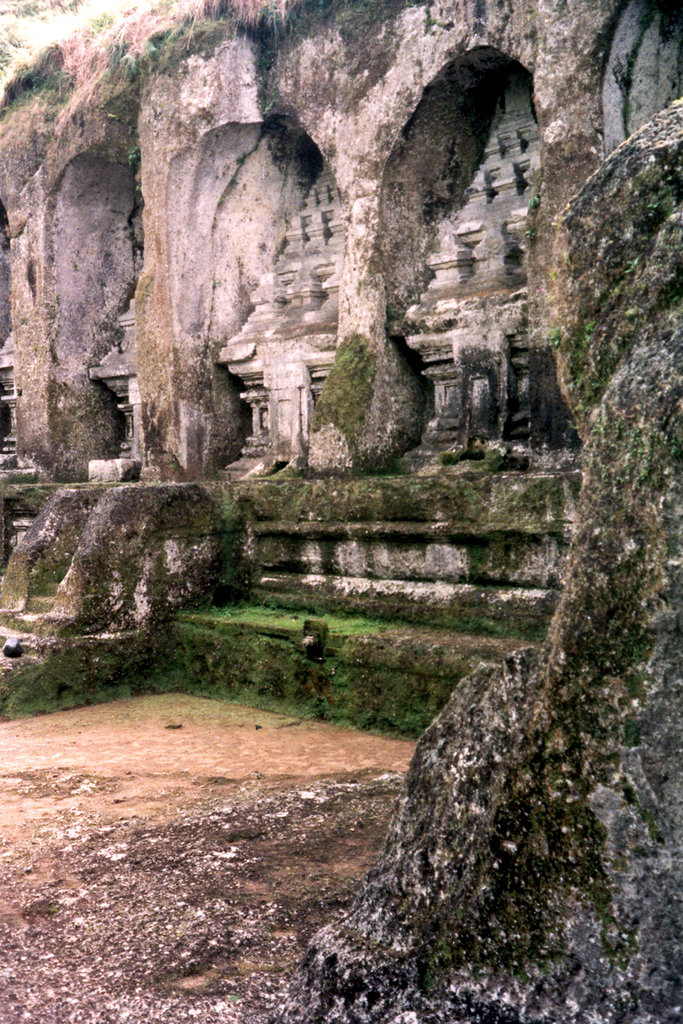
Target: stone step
<point>336,549</point>
<point>375,674</point>
<point>470,504</point>
<point>402,530</point>
<point>290,625</point>
<point>43,603</point>
<point>30,623</point>
<point>511,611</point>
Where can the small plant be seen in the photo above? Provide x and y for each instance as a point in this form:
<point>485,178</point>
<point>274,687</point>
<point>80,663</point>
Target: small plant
<point>134,159</point>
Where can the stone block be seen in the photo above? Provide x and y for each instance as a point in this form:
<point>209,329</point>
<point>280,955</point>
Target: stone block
<point>144,552</point>
<point>39,563</point>
<point>110,470</point>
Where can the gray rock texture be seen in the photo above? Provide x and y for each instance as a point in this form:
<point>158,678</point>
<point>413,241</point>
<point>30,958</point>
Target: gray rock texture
<point>533,869</point>
<point>40,562</point>
<point>644,69</point>
<point>107,470</point>
<point>144,552</point>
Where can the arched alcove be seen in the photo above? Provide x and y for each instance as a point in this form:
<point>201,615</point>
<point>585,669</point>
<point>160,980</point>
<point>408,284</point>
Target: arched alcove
<point>456,228</point>
<point>97,245</point>
<point>5,313</point>
<point>433,163</point>
<point>281,268</point>
<point>8,391</point>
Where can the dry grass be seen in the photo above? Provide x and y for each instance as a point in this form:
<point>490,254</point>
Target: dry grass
<point>78,38</point>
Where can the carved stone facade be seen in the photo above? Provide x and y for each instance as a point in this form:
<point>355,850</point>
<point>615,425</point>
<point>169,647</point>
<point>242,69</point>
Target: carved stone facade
<point>118,372</point>
<point>285,350</point>
<point>470,325</point>
<point>8,405</point>
<point>8,394</point>
<point>402,132</point>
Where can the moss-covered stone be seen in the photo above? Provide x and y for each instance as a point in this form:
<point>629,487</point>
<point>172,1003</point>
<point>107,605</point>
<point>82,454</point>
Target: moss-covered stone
<point>370,675</point>
<point>532,869</point>
<point>66,673</point>
<point>144,552</point>
<point>41,562</point>
<point>609,300</point>
<point>348,389</point>
<point>469,503</point>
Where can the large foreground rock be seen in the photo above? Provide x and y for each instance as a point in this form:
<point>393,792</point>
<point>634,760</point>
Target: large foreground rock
<point>534,868</point>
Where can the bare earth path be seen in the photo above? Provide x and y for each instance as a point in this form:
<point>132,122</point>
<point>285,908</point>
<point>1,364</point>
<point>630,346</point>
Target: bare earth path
<point>167,858</point>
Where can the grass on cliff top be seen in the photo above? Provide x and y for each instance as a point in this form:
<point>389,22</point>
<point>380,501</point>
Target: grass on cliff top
<point>64,49</point>
<point>77,40</point>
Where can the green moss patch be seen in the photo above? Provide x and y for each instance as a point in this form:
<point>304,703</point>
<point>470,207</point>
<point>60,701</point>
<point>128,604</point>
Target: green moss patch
<point>479,503</point>
<point>347,393</point>
<point>372,675</point>
<point>79,672</point>
<point>638,274</point>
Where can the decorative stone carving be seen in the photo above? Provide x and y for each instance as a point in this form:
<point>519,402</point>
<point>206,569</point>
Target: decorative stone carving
<point>118,372</point>
<point>8,405</point>
<point>470,325</point>
<point>285,350</point>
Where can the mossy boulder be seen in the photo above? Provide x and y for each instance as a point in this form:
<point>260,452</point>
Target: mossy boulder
<point>40,563</point>
<point>144,552</point>
<point>533,869</point>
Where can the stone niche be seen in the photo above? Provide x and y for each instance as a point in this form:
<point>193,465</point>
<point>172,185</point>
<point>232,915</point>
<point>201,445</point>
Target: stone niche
<point>469,326</point>
<point>285,349</point>
<point>118,373</point>
<point>97,253</point>
<point>8,392</point>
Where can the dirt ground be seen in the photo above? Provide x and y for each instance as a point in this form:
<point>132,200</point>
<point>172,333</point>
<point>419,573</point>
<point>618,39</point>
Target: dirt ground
<point>166,859</point>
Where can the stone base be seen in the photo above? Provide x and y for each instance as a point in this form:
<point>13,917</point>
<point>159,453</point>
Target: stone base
<point>106,470</point>
<point>263,465</point>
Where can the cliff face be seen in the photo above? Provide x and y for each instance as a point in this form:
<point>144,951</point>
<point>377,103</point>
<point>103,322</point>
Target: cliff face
<point>389,239</point>
<point>449,136</point>
<point>533,866</point>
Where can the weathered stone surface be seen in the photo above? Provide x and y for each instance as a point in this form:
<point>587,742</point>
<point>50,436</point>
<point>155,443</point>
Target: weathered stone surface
<point>481,551</point>
<point>404,107</point>
<point>645,67</point>
<point>284,352</point>
<point>224,137</point>
<point>533,869</point>
<point>118,371</point>
<point>229,181</point>
<point>108,470</point>
<point>144,552</point>
<point>38,565</point>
